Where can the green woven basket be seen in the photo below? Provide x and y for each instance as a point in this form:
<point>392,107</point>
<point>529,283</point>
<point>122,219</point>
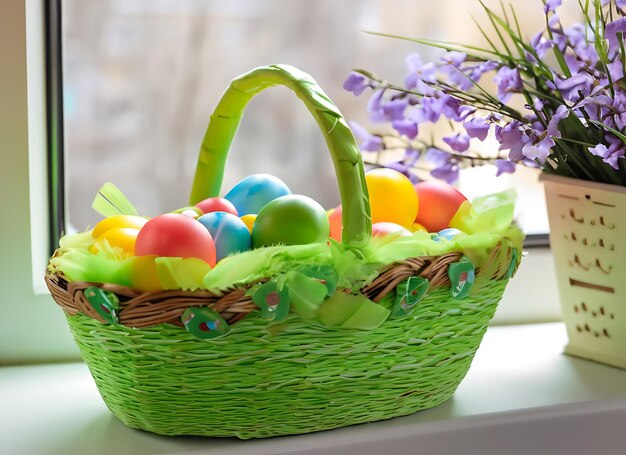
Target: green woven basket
<point>295,376</point>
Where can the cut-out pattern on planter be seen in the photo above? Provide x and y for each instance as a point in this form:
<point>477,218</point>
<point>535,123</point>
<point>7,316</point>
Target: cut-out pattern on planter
<point>586,223</point>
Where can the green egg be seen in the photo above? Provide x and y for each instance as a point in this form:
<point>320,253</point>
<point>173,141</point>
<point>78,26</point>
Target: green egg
<point>290,220</point>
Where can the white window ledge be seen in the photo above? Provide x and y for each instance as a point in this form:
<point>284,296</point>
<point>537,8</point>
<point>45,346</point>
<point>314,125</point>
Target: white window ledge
<point>521,396</point>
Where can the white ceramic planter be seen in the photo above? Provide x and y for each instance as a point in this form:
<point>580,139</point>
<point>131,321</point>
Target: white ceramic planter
<point>588,241</point>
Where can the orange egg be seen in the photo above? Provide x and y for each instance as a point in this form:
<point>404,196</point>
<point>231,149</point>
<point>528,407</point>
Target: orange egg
<point>123,238</point>
<point>438,204</point>
<point>392,197</point>
<point>118,221</point>
<point>249,220</point>
<point>335,224</point>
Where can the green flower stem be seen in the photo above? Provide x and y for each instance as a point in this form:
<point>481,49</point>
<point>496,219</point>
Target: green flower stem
<point>339,139</point>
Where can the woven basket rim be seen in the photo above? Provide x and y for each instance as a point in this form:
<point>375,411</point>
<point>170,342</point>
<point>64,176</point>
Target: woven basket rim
<point>146,309</point>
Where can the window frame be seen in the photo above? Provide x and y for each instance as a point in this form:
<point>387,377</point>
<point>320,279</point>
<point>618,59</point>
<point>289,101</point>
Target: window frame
<point>32,329</point>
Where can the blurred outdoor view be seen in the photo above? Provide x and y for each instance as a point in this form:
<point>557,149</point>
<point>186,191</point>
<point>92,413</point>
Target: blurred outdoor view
<point>142,78</point>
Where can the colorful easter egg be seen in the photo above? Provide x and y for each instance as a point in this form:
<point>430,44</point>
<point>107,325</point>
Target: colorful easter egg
<point>118,221</point>
<point>230,234</point>
<point>290,220</point>
<point>446,234</point>
<point>249,220</point>
<point>417,227</point>
<point>252,193</point>
<point>124,238</point>
<point>392,197</point>
<point>336,226</point>
<point>175,235</point>
<point>438,204</point>
<point>217,204</point>
<point>389,230</point>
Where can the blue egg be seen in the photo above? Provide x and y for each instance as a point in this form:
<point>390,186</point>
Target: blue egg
<point>252,193</point>
<point>447,234</point>
<point>229,233</point>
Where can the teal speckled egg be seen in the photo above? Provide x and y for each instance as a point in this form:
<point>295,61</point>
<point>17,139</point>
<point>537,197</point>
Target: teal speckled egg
<point>229,233</point>
<point>252,193</point>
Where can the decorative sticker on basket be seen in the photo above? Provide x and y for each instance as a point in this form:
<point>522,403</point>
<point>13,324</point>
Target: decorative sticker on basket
<point>513,265</point>
<point>105,303</point>
<point>461,278</point>
<point>273,301</point>
<point>408,294</point>
<point>324,273</point>
<point>204,323</point>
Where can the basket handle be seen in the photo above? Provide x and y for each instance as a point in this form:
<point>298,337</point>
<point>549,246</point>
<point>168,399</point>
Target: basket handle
<point>357,224</point>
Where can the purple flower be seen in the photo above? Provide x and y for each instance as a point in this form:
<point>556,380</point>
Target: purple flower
<point>430,108</point>
<point>458,77</point>
<point>616,70</point>
<point>553,125</point>
<point>367,142</point>
<point>612,153</point>
<point>551,6</point>
<point>374,107</point>
<point>477,127</point>
<point>449,172</point>
<point>394,109</point>
<point>611,31</point>
<point>405,127</point>
<point>445,168</point>
<point>459,142</point>
<point>356,83</point>
<point>464,78</point>
<point>418,71</point>
<point>602,151</point>
<point>509,135</point>
<point>571,86</point>
<point>512,139</point>
<point>504,166</point>
<point>540,150</point>
<point>454,58</point>
<point>508,81</point>
<point>540,44</point>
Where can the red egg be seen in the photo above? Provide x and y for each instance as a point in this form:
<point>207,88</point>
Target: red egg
<point>335,224</point>
<point>438,204</point>
<point>175,235</point>
<point>217,204</point>
<point>389,230</point>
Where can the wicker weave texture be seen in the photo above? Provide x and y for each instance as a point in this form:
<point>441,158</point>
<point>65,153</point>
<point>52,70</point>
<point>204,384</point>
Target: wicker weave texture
<point>287,378</point>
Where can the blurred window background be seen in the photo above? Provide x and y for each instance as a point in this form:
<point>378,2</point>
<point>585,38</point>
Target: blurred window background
<point>142,77</point>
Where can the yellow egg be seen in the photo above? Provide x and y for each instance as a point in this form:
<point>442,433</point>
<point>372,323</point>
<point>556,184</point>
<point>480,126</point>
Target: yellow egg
<point>417,227</point>
<point>392,197</point>
<point>249,220</point>
<point>118,221</point>
<point>123,238</point>
<point>144,276</point>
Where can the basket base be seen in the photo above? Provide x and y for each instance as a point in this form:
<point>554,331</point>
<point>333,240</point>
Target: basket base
<point>601,357</point>
<point>286,378</point>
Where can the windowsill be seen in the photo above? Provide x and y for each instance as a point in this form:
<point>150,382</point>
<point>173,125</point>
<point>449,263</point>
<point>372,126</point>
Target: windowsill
<point>522,395</point>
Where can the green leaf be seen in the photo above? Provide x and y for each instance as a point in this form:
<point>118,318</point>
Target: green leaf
<point>447,46</point>
<point>111,201</point>
<point>352,312</point>
<point>307,294</point>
